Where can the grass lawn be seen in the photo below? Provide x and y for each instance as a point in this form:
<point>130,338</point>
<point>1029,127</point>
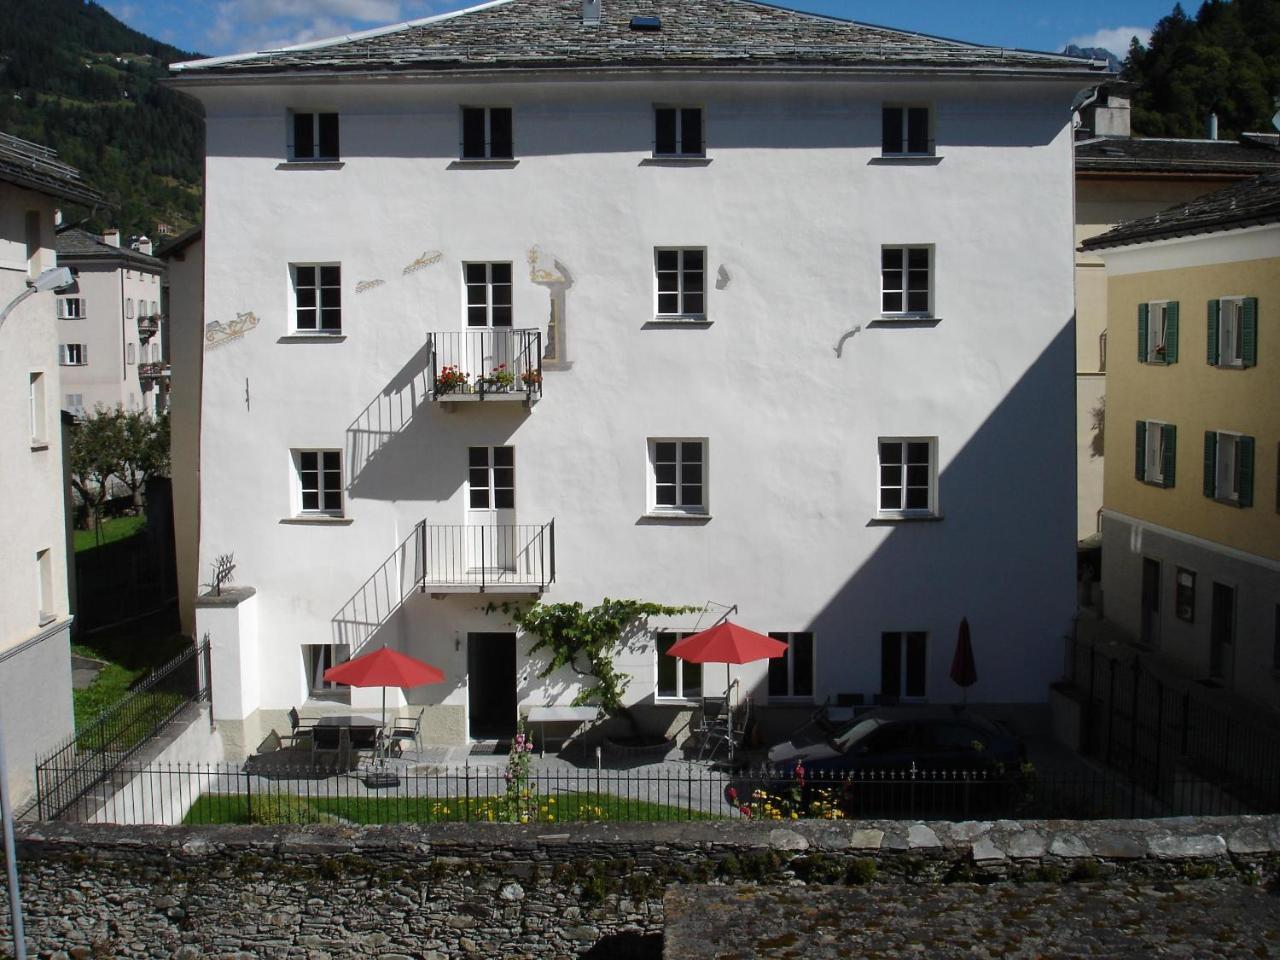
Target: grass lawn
<point>562,808</point>
<point>117,528</point>
<point>111,685</point>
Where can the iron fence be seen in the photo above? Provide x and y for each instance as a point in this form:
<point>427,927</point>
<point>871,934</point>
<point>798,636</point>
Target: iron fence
<point>231,793</point>
<point>1161,733</point>
<point>485,363</point>
<point>93,758</point>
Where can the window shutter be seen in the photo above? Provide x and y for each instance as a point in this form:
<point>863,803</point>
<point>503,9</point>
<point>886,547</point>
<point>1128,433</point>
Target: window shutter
<point>1171,332</point>
<point>1214,307</point>
<point>62,354</point>
<point>1143,312</point>
<point>1210,464</point>
<point>1140,458</point>
<point>1169,434</point>
<point>1244,451</point>
<point>1249,351</point>
<point>84,353</point>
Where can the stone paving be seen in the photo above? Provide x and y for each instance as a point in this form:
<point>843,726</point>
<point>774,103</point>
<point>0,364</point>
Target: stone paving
<point>1113,919</point>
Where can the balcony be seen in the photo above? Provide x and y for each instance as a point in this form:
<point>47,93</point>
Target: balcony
<point>153,371</point>
<point>148,326</point>
<point>492,558</point>
<point>493,365</point>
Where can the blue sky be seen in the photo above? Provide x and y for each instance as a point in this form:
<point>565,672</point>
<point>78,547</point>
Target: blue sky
<point>229,26</point>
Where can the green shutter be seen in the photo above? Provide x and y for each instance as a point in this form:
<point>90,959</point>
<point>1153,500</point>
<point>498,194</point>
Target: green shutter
<point>1142,333</point>
<point>1168,465</point>
<point>1171,332</point>
<point>1210,463</point>
<point>1244,450</point>
<point>1214,307</point>
<point>1249,350</point>
<point>1140,457</point>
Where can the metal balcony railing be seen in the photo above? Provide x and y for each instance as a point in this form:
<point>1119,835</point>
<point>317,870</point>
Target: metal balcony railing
<point>148,326</point>
<point>153,371</point>
<point>485,364</point>
<point>502,557</point>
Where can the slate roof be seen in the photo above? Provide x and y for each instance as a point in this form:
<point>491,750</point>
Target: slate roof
<point>1245,204</point>
<point>1161,155</point>
<point>76,244</point>
<point>35,167</point>
<point>533,34</point>
<point>179,243</point>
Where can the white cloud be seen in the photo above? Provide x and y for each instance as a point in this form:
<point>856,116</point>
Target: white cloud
<point>244,25</point>
<point>1115,39</point>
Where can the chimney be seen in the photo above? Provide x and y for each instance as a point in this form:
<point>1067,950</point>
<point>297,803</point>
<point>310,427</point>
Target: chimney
<point>1213,126</point>
<point>143,245</point>
<point>112,237</point>
<point>591,12</point>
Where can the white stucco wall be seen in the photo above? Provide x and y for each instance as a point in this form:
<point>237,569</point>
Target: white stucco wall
<point>35,671</point>
<point>793,209</point>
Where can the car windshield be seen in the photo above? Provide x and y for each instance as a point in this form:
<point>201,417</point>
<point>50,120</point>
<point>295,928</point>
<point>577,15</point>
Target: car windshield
<point>854,732</point>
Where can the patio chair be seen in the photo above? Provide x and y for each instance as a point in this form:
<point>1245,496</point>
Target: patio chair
<point>403,729</point>
<point>299,729</point>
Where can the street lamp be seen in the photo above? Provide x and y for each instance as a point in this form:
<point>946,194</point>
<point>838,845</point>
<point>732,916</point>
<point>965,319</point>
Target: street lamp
<point>54,279</point>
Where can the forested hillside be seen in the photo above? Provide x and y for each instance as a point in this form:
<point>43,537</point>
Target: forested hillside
<point>75,78</point>
<point>1226,60</point>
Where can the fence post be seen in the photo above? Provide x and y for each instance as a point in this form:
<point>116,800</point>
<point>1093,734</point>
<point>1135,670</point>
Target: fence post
<point>248,794</point>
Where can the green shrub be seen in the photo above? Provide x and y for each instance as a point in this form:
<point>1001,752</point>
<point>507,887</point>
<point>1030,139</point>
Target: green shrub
<point>272,810</point>
<point>861,871</point>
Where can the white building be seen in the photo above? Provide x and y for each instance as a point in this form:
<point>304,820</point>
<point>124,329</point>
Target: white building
<point>35,623</point>
<point>110,330</point>
<point>796,295</point>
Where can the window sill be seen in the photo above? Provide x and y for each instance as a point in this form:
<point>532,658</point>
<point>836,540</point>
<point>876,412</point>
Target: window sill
<point>319,520</point>
<point>1230,365</point>
<point>44,618</point>
<point>312,338</point>
<point>906,320</point>
<point>37,445</point>
<point>888,519</point>
<point>691,321</point>
<point>675,161</point>
<point>655,517</point>
<point>483,163</point>
<point>682,702</point>
<point>907,159</point>
<point>310,165</point>
<point>1229,503</point>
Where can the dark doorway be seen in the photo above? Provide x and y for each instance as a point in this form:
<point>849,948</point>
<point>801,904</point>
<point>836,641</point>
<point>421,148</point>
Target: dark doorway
<point>1222,631</point>
<point>491,685</point>
<point>1150,602</point>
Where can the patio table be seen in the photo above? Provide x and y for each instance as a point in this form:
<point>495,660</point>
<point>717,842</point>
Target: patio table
<point>575,715</point>
<point>363,731</point>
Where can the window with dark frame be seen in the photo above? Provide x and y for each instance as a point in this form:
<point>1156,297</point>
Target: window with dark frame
<point>905,131</point>
<point>491,478</point>
<point>489,288</point>
<point>315,137</point>
<point>1233,332</point>
<point>677,132</point>
<point>73,354</point>
<point>320,481</point>
<point>681,275</point>
<point>677,679</point>
<point>487,133</point>
<point>904,281</point>
<point>1228,468</point>
<point>791,675</point>
<point>1158,332</point>
<point>71,308</point>
<point>903,661</point>
<point>1184,595</point>
<point>317,294</point>
<point>907,476</point>
<point>679,476</point>
<point>1156,453</point>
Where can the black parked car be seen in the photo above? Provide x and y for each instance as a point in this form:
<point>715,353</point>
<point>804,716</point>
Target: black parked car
<point>892,761</point>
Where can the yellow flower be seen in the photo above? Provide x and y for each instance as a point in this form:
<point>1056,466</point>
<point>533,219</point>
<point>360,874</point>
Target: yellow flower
<point>551,818</point>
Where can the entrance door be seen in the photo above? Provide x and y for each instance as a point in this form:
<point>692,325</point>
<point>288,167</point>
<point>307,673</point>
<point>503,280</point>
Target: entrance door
<point>1150,602</point>
<point>491,685</point>
<point>491,513</point>
<point>1222,632</point>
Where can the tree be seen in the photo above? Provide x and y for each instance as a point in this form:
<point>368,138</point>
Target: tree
<point>96,445</point>
<point>144,451</point>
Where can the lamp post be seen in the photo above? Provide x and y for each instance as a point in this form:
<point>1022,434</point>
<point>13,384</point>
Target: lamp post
<point>53,279</point>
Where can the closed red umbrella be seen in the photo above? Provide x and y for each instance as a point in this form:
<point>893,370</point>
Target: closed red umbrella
<point>963,669</point>
<point>384,668</point>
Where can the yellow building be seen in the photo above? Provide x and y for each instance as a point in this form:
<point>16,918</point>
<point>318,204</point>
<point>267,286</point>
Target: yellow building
<point>1191,515</point>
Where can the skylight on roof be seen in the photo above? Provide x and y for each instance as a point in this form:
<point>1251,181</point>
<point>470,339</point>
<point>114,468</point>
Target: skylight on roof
<point>646,23</point>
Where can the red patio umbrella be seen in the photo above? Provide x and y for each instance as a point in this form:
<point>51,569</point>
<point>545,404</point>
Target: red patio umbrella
<point>963,669</point>
<point>384,668</point>
<point>727,643</point>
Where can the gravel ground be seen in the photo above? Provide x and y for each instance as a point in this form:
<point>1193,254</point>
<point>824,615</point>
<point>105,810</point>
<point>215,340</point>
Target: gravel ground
<point>1113,919</point>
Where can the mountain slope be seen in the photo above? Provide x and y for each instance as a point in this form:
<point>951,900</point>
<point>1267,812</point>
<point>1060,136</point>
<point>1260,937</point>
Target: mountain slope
<point>74,77</point>
<point>1094,53</point>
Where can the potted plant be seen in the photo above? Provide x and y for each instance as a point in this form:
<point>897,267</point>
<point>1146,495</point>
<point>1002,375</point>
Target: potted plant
<point>499,379</point>
<point>451,380</point>
<point>531,378</point>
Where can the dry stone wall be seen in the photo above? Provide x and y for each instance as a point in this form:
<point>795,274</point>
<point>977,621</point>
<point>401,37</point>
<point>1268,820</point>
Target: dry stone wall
<point>496,890</point>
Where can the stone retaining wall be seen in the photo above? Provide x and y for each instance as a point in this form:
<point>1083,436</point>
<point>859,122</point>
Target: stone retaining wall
<point>496,890</point>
